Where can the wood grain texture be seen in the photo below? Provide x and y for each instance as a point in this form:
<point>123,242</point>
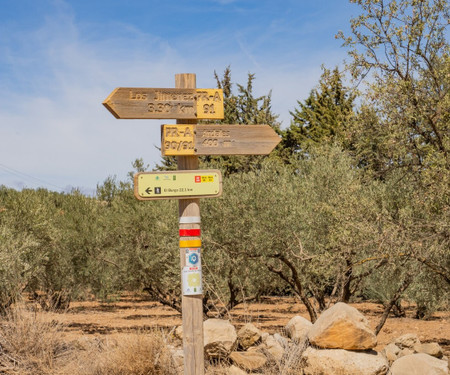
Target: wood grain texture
<point>165,103</point>
<point>185,139</point>
<point>192,306</point>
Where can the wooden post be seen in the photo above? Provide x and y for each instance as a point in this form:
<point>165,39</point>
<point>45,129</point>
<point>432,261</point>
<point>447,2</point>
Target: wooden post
<point>189,213</point>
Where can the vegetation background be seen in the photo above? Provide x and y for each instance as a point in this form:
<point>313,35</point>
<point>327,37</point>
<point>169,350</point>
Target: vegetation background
<point>352,205</point>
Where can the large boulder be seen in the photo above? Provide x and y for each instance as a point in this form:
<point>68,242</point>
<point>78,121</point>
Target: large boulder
<point>220,338</point>
<point>297,329</point>
<point>248,335</point>
<point>342,327</point>
<point>419,364</point>
<point>249,361</point>
<point>343,362</point>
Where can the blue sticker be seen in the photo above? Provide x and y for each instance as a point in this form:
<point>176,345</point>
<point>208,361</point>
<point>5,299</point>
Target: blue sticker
<point>193,258</point>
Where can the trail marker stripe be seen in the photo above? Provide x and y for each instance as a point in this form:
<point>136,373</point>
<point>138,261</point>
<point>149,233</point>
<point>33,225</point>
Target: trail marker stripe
<point>190,232</point>
<point>190,243</point>
<point>190,220</point>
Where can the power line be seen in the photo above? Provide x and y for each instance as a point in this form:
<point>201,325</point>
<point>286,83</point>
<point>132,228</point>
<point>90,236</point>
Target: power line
<point>27,176</point>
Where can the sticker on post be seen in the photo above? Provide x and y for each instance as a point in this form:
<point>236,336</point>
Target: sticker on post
<point>193,257</point>
<point>192,281</point>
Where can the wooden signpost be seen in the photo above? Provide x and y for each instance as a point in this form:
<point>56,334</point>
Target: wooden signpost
<point>189,219</point>
<point>218,139</point>
<point>178,103</point>
<point>187,140</point>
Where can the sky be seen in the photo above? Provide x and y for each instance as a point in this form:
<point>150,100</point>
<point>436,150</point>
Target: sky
<point>59,60</point>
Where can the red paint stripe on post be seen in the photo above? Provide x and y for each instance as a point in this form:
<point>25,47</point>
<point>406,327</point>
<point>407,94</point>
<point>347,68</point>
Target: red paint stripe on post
<point>190,232</point>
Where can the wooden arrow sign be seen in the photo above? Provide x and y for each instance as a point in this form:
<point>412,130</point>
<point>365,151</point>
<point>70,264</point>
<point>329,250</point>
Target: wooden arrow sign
<point>218,139</point>
<point>153,103</point>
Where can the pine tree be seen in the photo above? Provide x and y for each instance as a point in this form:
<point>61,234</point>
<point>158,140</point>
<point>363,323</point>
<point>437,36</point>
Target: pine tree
<point>324,117</point>
<point>245,109</point>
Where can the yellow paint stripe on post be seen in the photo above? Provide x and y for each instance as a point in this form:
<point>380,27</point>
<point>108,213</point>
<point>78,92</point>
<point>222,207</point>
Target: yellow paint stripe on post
<point>190,243</point>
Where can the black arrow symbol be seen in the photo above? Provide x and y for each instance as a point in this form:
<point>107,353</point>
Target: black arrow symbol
<point>148,190</point>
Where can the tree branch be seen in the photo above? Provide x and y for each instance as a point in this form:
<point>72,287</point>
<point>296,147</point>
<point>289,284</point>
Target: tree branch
<point>403,286</point>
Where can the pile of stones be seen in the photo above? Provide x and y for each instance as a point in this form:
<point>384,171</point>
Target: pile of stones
<point>339,342</point>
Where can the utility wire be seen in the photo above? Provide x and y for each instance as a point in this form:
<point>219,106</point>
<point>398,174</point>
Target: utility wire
<point>27,176</point>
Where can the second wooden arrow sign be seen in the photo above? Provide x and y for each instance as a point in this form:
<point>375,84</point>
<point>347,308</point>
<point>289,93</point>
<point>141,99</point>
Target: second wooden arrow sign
<point>217,139</point>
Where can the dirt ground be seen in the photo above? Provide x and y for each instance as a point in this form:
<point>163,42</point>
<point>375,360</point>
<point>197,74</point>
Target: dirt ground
<point>133,313</point>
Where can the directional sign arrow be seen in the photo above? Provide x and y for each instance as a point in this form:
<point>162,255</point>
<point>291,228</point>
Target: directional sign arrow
<point>218,139</point>
<point>156,103</point>
<point>178,185</point>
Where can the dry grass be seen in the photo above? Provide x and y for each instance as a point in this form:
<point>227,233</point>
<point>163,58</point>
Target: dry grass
<point>291,362</point>
<point>138,353</point>
<point>29,345</point>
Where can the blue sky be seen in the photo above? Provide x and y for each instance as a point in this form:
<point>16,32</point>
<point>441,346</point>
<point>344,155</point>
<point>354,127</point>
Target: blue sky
<point>59,59</point>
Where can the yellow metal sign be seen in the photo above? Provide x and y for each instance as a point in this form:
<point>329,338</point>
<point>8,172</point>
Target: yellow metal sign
<point>178,184</point>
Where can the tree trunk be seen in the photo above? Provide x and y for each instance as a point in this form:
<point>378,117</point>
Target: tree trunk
<point>296,284</point>
<point>346,281</point>
<point>403,286</point>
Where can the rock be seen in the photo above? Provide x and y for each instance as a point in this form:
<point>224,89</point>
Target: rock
<point>248,335</point>
<point>339,361</point>
<point>406,351</point>
<point>292,359</point>
<point>233,370</point>
<point>342,327</point>
<point>407,341</point>
<point>391,352</point>
<point>178,357</point>
<point>264,336</point>
<point>297,329</point>
<point>249,361</point>
<point>432,348</point>
<point>178,333</point>
<point>220,338</point>
<point>419,364</point>
<point>282,340</point>
<point>274,349</point>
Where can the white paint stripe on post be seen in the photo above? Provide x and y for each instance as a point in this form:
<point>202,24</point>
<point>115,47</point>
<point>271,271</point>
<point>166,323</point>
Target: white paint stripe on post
<point>190,220</point>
